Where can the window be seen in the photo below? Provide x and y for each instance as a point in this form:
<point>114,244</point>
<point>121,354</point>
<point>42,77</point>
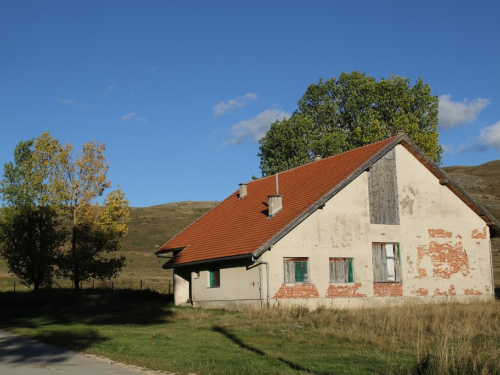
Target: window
<point>214,278</point>
<point>295,270</point>
<point>341,270</point>
<point>386,262</point>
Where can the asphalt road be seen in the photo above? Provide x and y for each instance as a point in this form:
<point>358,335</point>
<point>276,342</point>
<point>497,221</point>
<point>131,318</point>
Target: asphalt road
<point>22,356</point>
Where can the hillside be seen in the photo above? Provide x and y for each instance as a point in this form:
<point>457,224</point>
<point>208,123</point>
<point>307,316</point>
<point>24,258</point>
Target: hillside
<point>151,227</point>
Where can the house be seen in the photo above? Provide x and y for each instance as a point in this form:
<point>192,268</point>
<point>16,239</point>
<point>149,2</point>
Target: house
<point>377,225</point>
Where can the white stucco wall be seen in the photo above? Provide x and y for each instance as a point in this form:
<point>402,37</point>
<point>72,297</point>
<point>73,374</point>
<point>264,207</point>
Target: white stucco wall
<point>239,286</point>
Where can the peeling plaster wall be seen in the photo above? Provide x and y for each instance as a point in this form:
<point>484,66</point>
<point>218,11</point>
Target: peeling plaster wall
<point>444,246</point>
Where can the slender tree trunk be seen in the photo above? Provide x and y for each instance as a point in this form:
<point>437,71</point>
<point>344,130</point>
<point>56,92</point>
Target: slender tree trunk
<point>36,290</point>
<point>76,271</point>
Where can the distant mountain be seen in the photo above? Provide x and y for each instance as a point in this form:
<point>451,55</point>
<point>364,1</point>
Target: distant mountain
<point>482,182</point>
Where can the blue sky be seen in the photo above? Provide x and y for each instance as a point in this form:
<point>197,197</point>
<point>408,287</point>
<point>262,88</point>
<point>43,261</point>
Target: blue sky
<point>180,92</point>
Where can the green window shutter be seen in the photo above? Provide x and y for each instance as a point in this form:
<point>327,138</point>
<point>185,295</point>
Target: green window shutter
<point>350,276</point>
<point>300,271</point>
<point>211,279</point>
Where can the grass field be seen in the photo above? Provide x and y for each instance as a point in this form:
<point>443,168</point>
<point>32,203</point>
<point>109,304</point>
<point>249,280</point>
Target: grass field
<point>142,328</point>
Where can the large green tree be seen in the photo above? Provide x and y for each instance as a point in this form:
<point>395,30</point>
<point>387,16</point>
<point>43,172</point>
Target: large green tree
<point>30,242</point>
<point>30,232</point>
<point>351,111</point>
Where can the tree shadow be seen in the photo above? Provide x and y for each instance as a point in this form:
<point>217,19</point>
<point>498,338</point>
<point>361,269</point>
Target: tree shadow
<point>123,307</point>
<point>21,350</point>
<point>241,344</point>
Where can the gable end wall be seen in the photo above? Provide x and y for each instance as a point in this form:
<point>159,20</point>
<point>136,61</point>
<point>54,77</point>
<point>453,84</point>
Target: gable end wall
<point>444,246</point>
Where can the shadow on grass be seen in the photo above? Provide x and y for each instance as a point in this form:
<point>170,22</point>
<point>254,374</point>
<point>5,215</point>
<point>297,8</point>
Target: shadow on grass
<point>123,307</point>
<point>71,324</point>
<point>20,350</point>
<point>241,344</point>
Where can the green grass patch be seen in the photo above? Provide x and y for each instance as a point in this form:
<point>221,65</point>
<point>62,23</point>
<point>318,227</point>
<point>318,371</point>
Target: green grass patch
<point>143,328</point>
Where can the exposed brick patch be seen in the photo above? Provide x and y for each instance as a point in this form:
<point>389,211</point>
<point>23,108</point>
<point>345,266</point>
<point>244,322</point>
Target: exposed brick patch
<point>477,235</point>
<point>449,292</point>
<point>439,233</point>
<point>447,258</point>
<point>422,273</point>
<point>421,292</point>
<point>306,290</point>
<point>388,289</point>
<point>472,292</point>
<point>344,291</point>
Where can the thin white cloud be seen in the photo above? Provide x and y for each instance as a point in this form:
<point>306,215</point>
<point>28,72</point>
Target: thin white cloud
<point>238,102</point>
<point>490,136</point>
<point>128,116</point>
<point>80,105</point>
<point>66,101</point>
<point>143,119</point>
<point>453,114</point>
<point>153,69</point>
<point>255,128</point>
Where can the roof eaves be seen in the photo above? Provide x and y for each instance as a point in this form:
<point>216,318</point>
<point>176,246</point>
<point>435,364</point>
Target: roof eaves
<point>365,166</point>
<point>214,260</point>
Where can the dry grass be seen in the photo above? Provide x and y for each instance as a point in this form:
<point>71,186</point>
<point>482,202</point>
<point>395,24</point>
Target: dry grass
<point>450,338</point>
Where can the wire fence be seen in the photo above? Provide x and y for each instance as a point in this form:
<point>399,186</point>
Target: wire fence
<point>142,281</point>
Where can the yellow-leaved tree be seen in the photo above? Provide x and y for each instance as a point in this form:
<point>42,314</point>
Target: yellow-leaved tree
<point>96,229</point>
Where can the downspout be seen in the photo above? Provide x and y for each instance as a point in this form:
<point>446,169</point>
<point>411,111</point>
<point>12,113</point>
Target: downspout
<point>492,278</point>
<point>267,278</point>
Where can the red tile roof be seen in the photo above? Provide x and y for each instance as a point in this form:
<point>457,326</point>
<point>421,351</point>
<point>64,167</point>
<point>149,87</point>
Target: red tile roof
<point>241,227</point>
<point>238,227</point>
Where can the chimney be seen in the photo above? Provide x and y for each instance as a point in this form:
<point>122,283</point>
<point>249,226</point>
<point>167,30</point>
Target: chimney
<point>275,203</point>
<point>317,157</point>
<point>243,190</point>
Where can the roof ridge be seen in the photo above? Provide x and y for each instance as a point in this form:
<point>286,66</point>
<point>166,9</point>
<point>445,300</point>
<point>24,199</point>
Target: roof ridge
<point>328,157</point>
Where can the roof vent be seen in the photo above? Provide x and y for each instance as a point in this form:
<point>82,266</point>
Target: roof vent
<point>317,157</point>
<point>243,190</point>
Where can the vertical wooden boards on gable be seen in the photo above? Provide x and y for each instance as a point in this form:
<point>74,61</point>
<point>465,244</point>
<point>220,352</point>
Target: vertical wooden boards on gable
<point>383,190</point>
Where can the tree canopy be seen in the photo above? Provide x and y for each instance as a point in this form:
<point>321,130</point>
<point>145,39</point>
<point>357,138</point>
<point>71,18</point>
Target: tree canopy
<point>46,182</point>
<point>353,110</point>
